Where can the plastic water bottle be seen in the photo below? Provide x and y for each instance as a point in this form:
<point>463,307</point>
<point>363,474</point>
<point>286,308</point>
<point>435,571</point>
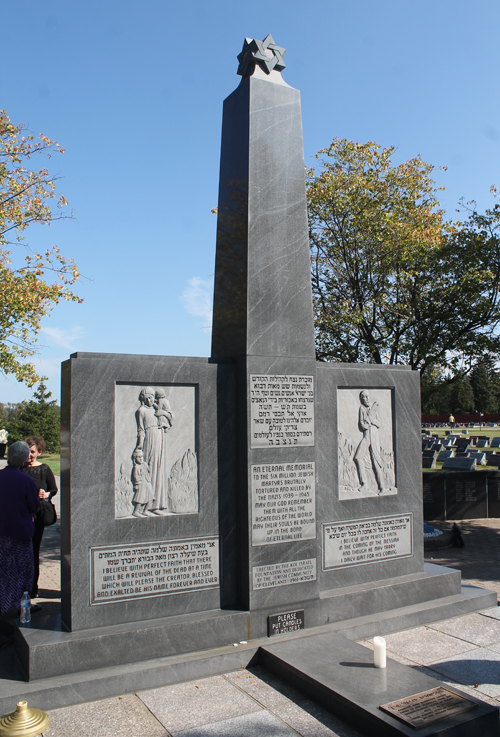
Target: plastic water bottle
<point>25,608</point>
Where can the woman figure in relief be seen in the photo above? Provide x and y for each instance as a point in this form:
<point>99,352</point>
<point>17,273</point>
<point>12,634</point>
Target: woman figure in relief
<point>152,441</point>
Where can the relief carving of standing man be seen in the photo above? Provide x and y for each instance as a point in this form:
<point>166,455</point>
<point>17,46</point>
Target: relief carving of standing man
<point>369,447</point>
<point>153,419</point>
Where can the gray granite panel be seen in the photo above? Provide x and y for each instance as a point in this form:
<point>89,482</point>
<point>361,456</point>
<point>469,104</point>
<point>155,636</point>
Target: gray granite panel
<point>493,496</point>
<point>285,472</point>
<point>466,497</point>
<point>402,384</point>
<point>90,383</point>
<point>434,497</point>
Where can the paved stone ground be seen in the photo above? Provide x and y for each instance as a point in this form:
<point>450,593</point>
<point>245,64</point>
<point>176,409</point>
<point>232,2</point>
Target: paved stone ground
<point>479,560</point>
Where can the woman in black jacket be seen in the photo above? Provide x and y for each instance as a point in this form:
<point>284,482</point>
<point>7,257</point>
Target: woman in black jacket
<point>47,488</point>
<point>19,504</point>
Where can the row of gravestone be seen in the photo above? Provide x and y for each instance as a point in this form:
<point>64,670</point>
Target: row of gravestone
<point>466,461</point>
<point>456,441</point>
<point>441,425</point>
<point>448,496</point>
<point>457,452</point>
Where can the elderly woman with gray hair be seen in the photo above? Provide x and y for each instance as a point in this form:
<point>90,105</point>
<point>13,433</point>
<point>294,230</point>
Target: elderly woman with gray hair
<point>18,504</point>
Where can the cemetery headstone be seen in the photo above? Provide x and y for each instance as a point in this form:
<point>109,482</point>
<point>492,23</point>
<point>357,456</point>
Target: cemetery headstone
<point>459,464</point>
<point>482,443</point>
<point>495,442</point>
<point>429,462</point>
<point>480,457</point>
<point>444,454</point>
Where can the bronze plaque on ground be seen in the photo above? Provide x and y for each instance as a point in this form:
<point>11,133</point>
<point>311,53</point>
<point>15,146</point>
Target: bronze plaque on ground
<point>422,709</point>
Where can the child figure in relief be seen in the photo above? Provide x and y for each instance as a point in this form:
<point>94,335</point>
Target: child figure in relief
<point>141,481</point>
<point>162,410</point>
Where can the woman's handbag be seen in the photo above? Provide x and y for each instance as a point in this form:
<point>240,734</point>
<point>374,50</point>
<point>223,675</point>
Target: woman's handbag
<point>47,512</point>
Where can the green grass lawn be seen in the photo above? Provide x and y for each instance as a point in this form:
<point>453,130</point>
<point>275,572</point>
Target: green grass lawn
<point>53,461</point>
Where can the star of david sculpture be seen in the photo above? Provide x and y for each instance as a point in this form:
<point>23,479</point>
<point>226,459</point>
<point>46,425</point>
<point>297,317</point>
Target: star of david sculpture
<point>264,53</point>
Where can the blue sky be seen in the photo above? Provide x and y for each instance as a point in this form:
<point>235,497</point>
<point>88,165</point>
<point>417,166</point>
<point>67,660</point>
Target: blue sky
<point>134,92</point>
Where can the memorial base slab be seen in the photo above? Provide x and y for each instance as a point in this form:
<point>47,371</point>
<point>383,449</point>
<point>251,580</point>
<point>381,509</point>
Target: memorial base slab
<point>341,676</point>
<point>45,651</point>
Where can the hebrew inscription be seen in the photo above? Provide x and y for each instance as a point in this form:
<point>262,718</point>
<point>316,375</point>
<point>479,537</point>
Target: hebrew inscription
<point>156,468</point>
<point>281,410</point>
<point>283,574</point>
<point>365,443</point>
<point>123,572</point>
<point>283,503</point>
<point>360,541</point>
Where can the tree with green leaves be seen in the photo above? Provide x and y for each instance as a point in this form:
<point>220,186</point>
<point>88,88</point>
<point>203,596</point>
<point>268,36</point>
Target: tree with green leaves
<point>32,282</point>
<point>393,282</point>
<point>40,417</point>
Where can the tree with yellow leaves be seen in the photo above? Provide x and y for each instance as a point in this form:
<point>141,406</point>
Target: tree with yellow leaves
<point>33,284</point>
<point>393,282</point>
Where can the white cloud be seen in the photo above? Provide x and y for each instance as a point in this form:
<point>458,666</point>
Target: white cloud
<point>65,338</point>
<point>197,300</point>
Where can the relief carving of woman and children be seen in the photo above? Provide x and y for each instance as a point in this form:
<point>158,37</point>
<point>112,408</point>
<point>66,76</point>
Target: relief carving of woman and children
<point>160,487</point>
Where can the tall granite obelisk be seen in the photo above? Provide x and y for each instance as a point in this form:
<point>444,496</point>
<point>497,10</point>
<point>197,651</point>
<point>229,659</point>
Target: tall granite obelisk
<point>262,298</point>
<point>263,320</point>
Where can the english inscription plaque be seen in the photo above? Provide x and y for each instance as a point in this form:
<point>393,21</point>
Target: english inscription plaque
<point>360,541</point>
<point>428,707</point>
<point>124,572</point>
<point>280,624</point>
<point>281,410</point>
<point>283,574</point>
<point>283,503</point>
